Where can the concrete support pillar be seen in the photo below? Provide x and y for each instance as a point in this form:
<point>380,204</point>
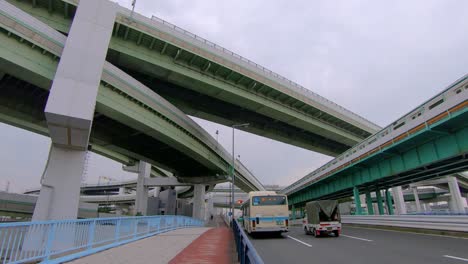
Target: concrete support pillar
<point>378,194</point>
<point>388,199</point>
<point>70,108</point>
<point>60,192</point>
<point>416,199</point>
<point>118,211</point>
<point>141,201</point>
<point>199,201</point>
<point>357,201</point>
<point>399,200</point>
<point>370,207</point>
<point>210,206</point>
<point>156,191</point>
<point>456,200</point>
<point>425,207</point>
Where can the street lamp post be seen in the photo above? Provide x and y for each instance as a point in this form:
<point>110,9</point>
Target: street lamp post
<point>233,168</point>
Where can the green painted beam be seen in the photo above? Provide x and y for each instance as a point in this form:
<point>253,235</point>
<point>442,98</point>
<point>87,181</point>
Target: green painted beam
<point>426,149</point>
<point>388,199</point>
<point>357,201</point>
<point>379,202</point>
<point>370,207</point>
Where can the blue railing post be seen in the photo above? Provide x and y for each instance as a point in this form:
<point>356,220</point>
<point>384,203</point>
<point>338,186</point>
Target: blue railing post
<point>50,239</point>
<point>91,231</point>
<point>246,252</point>
<point>135,229</point>
<point>117,230</point>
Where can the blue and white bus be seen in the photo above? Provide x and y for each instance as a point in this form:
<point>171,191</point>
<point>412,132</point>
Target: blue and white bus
<point>265,211</point>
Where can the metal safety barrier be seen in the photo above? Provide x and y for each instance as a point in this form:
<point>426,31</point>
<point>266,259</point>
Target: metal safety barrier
<point>246,252</point>
<point>432,222</point>
<point>64,240</point>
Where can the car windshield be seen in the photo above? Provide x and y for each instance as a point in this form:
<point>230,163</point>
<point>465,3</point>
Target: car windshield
<point>268,200</point>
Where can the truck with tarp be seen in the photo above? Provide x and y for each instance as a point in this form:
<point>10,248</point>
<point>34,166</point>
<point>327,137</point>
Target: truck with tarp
<point>322,217</point>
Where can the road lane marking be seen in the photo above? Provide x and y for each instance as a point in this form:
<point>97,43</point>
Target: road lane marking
<point>368,240</point>
<point>302,242</point>
<point>462,259</point>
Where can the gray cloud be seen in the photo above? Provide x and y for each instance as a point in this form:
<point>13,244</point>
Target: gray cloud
<point>379,59</point>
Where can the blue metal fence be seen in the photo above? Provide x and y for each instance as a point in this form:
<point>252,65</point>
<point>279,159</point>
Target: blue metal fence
<point>246,252</point>
<point>63,240</point>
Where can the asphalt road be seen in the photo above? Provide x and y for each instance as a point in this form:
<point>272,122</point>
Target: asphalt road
<point>361,246</point>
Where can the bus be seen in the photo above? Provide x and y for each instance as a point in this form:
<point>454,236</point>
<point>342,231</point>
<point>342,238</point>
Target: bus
<point>265,211</point>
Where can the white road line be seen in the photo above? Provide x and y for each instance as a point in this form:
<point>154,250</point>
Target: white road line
<point>462,259</point>
<point>368,240</point>
<point>302,242</point>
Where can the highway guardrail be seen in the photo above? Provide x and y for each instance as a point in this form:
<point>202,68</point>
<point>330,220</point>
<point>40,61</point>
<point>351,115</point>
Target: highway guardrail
<point>63,240</point>
<point>432,222</point>
<point>246,252</point>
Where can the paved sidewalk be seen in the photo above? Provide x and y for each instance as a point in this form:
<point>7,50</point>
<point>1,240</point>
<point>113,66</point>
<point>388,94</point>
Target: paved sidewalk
<point>212,247</point>
<point>156,249</point>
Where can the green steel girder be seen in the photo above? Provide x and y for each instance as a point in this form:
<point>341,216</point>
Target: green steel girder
<point>379,202</point>
<point>423,155</point>
<point>186,60</point>
<point>370,207</point>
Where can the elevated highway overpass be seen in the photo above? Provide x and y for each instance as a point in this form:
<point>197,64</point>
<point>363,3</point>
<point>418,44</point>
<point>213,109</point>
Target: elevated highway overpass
<point>127,121</point>
<point>118,109</point>
<point>428,142</point>
<point>131,122</point>
<point>207,81</point>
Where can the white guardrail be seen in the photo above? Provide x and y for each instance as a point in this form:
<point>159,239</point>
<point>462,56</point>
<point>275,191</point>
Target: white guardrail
<point>457,223</point>
<point>432,222</point>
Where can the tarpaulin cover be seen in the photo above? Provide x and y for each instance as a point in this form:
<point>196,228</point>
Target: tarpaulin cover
<point>326,206</point>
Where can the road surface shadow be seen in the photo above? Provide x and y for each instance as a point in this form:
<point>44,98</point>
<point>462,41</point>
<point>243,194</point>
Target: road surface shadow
<point>267,235</point>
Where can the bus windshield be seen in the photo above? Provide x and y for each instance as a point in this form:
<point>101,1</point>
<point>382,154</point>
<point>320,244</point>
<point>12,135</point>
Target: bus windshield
<point>268,200</point>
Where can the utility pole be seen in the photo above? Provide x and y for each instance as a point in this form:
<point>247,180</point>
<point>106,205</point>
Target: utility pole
<point>133,8</point>
<point>233,168</point>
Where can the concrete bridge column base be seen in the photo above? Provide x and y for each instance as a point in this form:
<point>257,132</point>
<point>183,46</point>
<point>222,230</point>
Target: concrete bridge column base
<point>416,199</point>
<point>141,201</point>
<point>199,201</point>
<point>60,192</point>
<point>156,191</point>
<point>399,200</point>
<point>456,200</point>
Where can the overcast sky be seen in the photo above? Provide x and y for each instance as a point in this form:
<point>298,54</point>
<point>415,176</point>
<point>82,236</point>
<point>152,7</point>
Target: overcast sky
<point>379,59</point>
